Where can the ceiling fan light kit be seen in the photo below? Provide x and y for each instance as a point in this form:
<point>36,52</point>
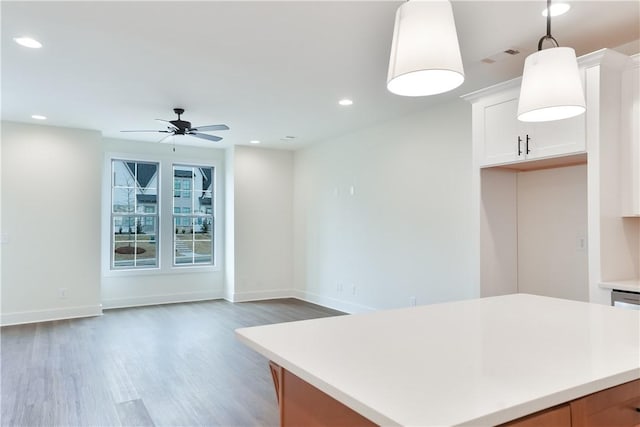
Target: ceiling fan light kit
<point>551,86</point>
<point>425,55</point>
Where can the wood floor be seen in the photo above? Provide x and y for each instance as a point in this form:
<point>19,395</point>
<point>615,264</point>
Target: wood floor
<point>167,365</point>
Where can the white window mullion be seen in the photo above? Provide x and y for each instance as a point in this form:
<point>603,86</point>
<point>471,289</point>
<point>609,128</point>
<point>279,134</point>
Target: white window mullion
<point>126,182</point>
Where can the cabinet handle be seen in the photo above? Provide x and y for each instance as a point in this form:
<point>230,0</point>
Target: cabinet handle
<point>527,144</point>
<point>519,149</point>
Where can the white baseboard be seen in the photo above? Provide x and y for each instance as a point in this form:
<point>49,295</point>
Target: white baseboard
<point>18,318</point>
<point>160,299</point>
<point>228,294</point>
<point>329,302</point>
<point>261,295</point>
<point>22,317</point>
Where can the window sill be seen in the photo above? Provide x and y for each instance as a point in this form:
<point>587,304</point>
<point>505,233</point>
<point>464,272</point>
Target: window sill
<point>196,269</point>
<point>180,269</point>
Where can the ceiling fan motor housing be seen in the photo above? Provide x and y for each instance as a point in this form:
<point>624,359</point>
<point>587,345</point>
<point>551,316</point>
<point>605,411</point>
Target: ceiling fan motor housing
<point>182,126</point>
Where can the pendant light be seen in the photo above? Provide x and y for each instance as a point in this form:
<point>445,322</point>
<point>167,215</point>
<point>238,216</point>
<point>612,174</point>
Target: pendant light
<point>551,86</point>
<point>425,56</point>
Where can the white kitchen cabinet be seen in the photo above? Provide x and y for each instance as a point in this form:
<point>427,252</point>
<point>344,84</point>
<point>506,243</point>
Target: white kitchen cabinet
<point>557,138</point>
<point>499,135</point>
<point>631,139</point>
<point>502,138</point>
<point>514,255</point>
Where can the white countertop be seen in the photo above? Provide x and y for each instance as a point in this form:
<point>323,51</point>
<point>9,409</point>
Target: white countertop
<point>622,285</point>
<point>479,362</point>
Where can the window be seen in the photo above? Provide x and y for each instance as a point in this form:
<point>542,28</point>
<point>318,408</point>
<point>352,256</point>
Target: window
<point>134,214</point>
<point>193,215</point>
<point>186,185</point>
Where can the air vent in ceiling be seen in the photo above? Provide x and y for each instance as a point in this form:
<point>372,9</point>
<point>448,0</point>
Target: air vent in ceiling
<point>501,56</point>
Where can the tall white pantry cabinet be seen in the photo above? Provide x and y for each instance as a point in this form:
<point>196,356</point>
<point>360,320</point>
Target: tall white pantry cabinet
<point>558,203</point>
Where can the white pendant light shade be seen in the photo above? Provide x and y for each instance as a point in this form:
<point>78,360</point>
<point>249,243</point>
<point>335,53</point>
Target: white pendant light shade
<point>425,55</point>
<point>551,86</point>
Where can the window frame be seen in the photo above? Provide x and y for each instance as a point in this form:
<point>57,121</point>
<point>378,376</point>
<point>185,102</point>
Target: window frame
<point>137,216</point>
<point>165,211</point>
<point>188,217</point>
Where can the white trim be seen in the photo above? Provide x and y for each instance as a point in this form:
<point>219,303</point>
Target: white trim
<point>229,224</point>
<point>134,214</point>
<point>214,265</point>
<point>22,317</point>
<point>261,295</point>
<point>329,302</point>
<point>160,299</point>
<point>164,232</point>
<point>604,57</point>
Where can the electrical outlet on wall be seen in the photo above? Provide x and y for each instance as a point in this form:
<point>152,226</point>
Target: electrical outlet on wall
<point>581,243</point>
<point>412,301</point>
<point>62,293</point>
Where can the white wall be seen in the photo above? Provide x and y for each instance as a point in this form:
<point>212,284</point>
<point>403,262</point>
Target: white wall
<point>51,222</point>
<point>498,232</point>
<point>229,224</point>
<point>552,233</point>
<point>405,231</point>
<point>387,210</point>
<point>2,235</point>
<point>263,200</point>
<point>167,284</point>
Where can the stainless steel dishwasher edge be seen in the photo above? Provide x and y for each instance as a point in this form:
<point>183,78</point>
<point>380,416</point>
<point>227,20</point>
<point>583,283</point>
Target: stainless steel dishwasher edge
<point>625,299</point>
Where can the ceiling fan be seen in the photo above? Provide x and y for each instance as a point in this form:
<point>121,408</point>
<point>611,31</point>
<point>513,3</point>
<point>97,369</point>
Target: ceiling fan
<point>183,127</point>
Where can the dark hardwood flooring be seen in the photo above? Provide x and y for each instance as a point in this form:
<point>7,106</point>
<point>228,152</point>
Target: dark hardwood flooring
<point>164,365</point>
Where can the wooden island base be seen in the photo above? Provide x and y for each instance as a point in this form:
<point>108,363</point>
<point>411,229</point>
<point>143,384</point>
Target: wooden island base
<point>302,404</point>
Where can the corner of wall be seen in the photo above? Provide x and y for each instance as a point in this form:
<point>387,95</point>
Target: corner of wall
<point>229,228</point>
<point>61,275</point>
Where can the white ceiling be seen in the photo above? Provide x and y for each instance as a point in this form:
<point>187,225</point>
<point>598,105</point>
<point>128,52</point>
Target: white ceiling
<point>266,69</point>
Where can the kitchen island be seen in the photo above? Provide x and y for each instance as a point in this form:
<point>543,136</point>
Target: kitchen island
<point>476,362</point>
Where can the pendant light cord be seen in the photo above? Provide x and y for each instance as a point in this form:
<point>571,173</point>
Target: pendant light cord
<point>548,36</point>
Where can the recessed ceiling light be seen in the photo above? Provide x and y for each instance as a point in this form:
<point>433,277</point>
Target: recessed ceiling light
<point>254,141</point>
<point>557,9</point>
<point>38,117</point>
<point>345,102</point>
<point>287,138</point>
<point>28,42</point>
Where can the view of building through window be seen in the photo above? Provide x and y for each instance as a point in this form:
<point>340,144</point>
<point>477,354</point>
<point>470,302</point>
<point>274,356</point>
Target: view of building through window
<point>193,214</point>
<point>134,214</point>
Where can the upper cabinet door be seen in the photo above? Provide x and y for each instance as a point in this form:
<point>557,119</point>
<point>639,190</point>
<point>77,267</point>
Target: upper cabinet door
<point>498,130</point>
<point>630,139</point>
<point>503,139</point>
<point>548,139</point>
<point>559,137</point>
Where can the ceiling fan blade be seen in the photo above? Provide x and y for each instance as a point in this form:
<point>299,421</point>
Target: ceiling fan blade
<point>209,127</point>
<point>205,136</point>
<point>165,137</point>
<point>162,131</point>
<point>168,122</point>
